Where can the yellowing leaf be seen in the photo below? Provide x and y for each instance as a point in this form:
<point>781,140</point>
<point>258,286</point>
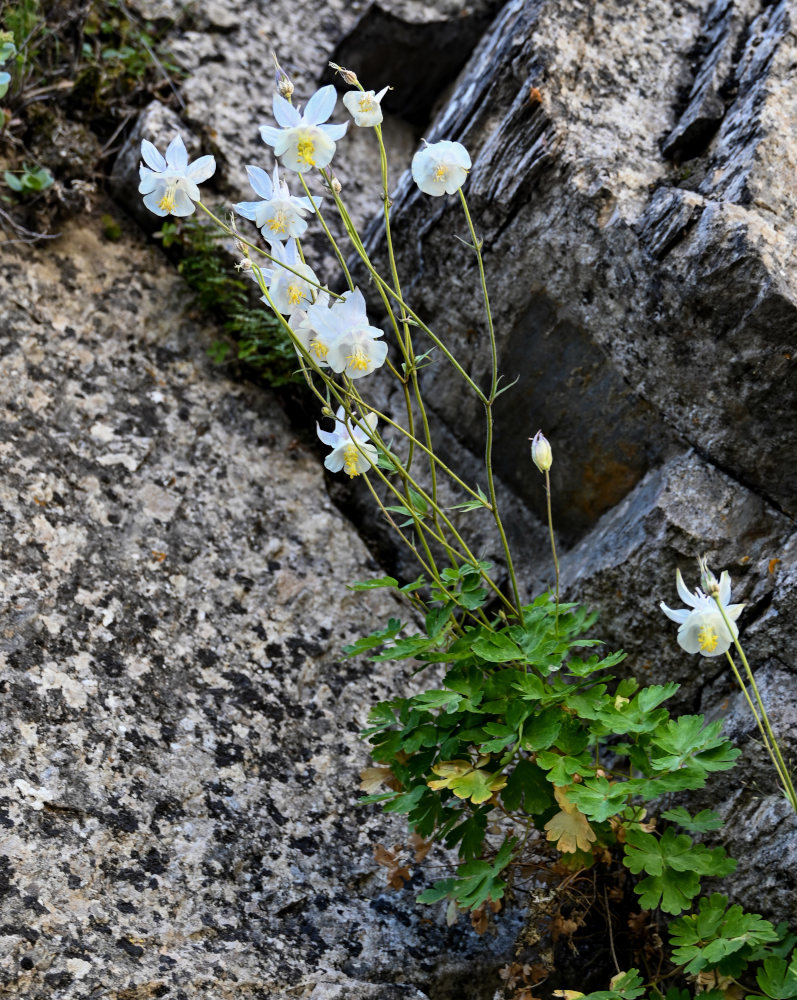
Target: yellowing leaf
<point>372,779</point>
<point>465,781</point>
<point>569,828</point>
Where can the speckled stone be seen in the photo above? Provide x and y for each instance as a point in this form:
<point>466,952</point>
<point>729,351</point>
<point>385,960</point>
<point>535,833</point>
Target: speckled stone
<point>179,730</point>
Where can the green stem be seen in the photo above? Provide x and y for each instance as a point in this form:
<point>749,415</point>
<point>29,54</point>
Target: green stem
<point>488,409</point>
<point>553,544</point>
<point>329,236</point>
<point>769,737</point>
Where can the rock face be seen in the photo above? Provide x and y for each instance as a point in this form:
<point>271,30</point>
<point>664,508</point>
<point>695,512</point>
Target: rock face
<point>180,762</point>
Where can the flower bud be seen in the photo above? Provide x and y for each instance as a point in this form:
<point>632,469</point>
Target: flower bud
<point>283,81</point>
<point>708,581</point>
<point>347,75</point>
<point>541,453</point>
<point>336,186</point>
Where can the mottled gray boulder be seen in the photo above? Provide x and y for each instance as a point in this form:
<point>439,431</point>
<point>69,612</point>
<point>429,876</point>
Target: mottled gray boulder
<point>179,730</point>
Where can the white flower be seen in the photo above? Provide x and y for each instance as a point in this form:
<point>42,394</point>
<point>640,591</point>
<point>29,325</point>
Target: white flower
<point>441,167</point>
<point>344,338</point>
<point>303,141</point>
<point>289,289</point>
<point>702,629</point>
<point>169,184</point>
<point>306,334</point>
<point>364,106</point>
<point>280,215</point>
<point>351,449</point>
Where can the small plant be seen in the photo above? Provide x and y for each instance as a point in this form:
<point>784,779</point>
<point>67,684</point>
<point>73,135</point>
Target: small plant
<point>29,180</point>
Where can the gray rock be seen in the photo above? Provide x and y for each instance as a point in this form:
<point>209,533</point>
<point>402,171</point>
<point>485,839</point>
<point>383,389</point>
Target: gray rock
<point>181,759</point>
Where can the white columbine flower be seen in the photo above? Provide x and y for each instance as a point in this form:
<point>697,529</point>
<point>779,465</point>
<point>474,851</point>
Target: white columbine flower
<point>344,338</point>
<point>303,141</point>
<point>289,290</point>
<point>280,215</point>
<point>305,333</point>
<point>441,167</point>
<point>702,629</point>
<point>169,184</point>
<point>364,106</point>
<point>351,449</point>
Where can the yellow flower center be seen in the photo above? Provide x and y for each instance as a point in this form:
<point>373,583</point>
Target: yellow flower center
<point>167,201</point>
<point>320,350</point>
<point>350,456</point>
<point>707,638</point>
<point>295,295</point>
<point>278,223</point>
<point>358,360</point>
<point>305,150</point>
<point>367,103</point>
<point>440,173</point>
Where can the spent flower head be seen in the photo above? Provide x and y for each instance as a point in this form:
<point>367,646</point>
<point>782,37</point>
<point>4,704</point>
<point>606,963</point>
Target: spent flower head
<point>280,215</point>
<point>169,183</point>
<point>303,141</point>
<point>441,167</point>
<point>365,106</point>
<point>282,80</point>
<point>351,448</point>
<point>702,626</point>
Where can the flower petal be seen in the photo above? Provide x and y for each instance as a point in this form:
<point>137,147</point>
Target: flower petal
<point>725,587</point>
<point>151,156</point>
<point>321,105</point>
<point>686,596</point>
<point>285,113</point>
<point>335,132</point>
<point>176,154</point>
<point>149,180</point>
<point>679,616</point>
<point>153,200</point>
<point>201,169</point>
<point>260,182</point>
<point>270,135</point>
<point>182,204</point>
<point>247,209</point>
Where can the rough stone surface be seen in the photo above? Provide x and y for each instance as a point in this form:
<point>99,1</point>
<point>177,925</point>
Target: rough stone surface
<point>654,303</point>
<point>179,731</point>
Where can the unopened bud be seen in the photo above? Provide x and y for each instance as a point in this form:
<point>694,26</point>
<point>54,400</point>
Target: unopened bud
<point>708,581</point>
<point>347,75</point>
<point>541,453</point>
<point>336,186</point>
<point>283,81</point>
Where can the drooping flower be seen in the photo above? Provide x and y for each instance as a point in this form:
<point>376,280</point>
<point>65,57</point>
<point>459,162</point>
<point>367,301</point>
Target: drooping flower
<point>702,628</point>
<point>344,338</point>
<point>441,167</point>
<point>280,215</point>
<point>289,289</point>
<point>351,448</point>
<point>365,106</point>
<point>303,141</point>
<point>169,184</point>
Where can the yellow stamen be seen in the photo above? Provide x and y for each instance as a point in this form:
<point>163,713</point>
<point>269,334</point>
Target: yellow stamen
<point>167,201</point>
<point>305,150</point>
<point>350,456</point>
<point>440,173</point>
<point>320,350</point>
<point>707,638</point>
<point>295,295</point>
<point>367,103</point>
<point>278,223</point>
<point>358,360</point>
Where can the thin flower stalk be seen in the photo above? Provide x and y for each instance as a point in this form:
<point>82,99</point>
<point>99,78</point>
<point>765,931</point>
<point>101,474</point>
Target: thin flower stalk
<point>770,741</point>
<point>317,209</point>
<point>488,410</point>
<point>553,543</point>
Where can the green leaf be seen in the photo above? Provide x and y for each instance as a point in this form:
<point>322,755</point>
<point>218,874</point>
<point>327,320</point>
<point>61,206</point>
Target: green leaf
<point>375,584</point>
<point>598,798</point>
<point>529,789</point>
<point>448,700</point>
<point>495,647</point>
<point>541,731</point>
<point>705,821</point>
<point>375,639</point>
<point>777,978</point>
<point>12,181</point>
